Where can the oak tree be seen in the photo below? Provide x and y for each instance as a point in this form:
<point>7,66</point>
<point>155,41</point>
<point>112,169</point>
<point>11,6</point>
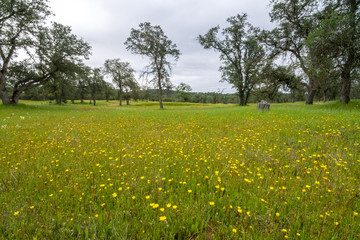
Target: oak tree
<point>241,54</point>
<point>152,42</point>
<point>122,75</point>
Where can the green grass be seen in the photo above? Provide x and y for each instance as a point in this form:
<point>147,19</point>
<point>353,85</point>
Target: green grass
<point>111,172</point>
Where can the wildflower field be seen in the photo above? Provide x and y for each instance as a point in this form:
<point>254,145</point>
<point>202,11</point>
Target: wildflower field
<point>189,171</point>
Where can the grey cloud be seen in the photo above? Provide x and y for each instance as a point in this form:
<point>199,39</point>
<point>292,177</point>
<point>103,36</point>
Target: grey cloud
<point>106,24</point>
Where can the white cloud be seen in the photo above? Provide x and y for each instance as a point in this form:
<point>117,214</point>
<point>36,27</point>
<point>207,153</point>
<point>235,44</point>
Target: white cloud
<point>106,24</point>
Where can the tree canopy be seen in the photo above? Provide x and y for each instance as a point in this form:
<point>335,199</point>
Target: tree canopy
<point>122,75</point>
<point>152,42</point>
<point>48,50</point>
<point>241,54</point>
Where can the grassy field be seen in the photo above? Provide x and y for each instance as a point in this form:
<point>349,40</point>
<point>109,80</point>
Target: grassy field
<point>189,171</point>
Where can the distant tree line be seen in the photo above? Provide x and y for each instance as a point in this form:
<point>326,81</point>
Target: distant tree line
<point>318,40</point>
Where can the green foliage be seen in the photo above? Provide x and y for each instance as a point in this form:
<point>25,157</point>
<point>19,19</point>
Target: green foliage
<point>335,47</point>
<point>274,78</point>
<point>183,90</point>
<point>151,41</point>
<point>49,50</point>
<point>122,75</point>
<point>295,20</point>
<point>241,54</point>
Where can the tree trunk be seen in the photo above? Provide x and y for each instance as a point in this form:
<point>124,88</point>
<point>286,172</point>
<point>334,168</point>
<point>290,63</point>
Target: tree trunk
<point>346,80</point>
<point>127,102</point>
<point>82,100</point>
<point>160,95</point>
<point>247,97</point>
<point>310,97</point>
<point>241,98</point>
<point>345,91</point>
<point>4,97</point>
<point>15,97</point>
<point>351,54</point>
<point>311,90</point>
<point>120,96</point>
<point>94,101</point>
<point>3,92</point>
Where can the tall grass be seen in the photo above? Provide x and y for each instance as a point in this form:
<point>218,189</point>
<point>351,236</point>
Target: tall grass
<point>187,172</point>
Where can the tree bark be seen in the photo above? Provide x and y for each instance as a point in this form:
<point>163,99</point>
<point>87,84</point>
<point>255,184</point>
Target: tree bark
<point>4,97</point>
<point>247,95</point>
<point>3,92</point>
<point>15,97</point>
<point>345,90</point>
<point>346,78</point>
<point>120,96</point>
<point>241,98</point>
<point>160,95</point>
<point>127,102</point>
<point>311,90</point>
<point>346,72</point>
<point>310,97</point>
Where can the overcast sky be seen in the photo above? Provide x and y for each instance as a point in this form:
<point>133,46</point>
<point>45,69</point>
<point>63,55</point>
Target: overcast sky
<point>106,24</point>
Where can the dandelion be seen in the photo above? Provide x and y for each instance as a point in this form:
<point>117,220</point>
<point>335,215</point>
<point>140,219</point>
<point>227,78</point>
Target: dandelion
<point>211,203</point>
<point>147,197</point>
<point>277,214</point>
<point>174,207</point>
<point>168,205</point>
<point>356,213</point>
<point>234,230</point>
<point>162,209</point>
<point>16,213</point>
<point>162,218</point>
<point>96,215</point>
<point>155,206</point>
<point>189,191</point>
<point>114,195</point>
<point>32,207</point>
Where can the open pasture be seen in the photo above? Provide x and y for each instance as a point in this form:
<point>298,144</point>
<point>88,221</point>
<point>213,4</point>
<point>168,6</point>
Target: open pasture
<point>189,171</point>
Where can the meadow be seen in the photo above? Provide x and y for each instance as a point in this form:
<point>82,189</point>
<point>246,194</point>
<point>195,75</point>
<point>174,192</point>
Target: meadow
<point>190,171</point>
